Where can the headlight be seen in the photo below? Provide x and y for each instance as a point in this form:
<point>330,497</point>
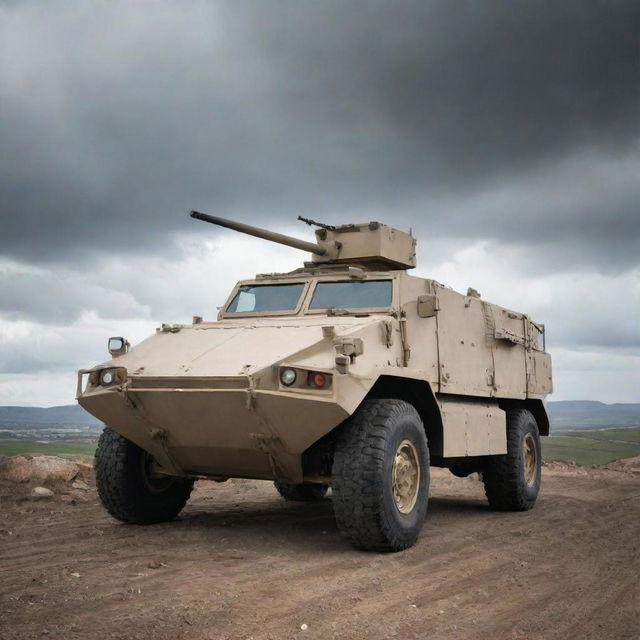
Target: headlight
<point>288,376</point>
<point>107,377</point>
<point>305,379</point>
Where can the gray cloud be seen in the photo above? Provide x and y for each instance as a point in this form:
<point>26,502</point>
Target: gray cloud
<point>117,119</point>
<point>516,124</point>
<point>63,297</point>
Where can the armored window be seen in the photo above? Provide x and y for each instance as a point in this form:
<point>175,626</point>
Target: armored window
<point>366,294</point>
<point>256,298</point>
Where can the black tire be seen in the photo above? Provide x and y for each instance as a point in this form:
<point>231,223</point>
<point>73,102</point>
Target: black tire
<point>512,481</point>
<point>127,488</point>
<point>304,492</point>
<point>364,472</point>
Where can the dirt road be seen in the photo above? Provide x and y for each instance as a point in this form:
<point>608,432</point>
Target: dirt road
<point>242,563</point>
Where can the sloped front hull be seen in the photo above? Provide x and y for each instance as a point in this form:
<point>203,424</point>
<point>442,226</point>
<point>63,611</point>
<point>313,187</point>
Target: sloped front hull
<point>219,432</point>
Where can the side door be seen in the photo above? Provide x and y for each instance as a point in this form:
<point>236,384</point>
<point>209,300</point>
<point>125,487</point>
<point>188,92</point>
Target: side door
<point>464,346</point>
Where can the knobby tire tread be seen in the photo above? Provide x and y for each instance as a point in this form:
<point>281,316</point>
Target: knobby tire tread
<point>119,484</point>
<point>357,481</point>
<point>503,479</point>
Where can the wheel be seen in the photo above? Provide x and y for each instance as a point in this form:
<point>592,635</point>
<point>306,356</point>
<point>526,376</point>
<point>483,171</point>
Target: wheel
<point>380,483</point>
<point>305,492</point>
<point>512,481</point>
<point>129,487</point>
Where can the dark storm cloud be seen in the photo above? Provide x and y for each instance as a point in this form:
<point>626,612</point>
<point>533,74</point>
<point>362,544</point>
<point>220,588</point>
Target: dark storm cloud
<point>118,118</point>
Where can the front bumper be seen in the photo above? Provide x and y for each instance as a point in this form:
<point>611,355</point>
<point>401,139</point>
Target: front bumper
<point>216,426</point>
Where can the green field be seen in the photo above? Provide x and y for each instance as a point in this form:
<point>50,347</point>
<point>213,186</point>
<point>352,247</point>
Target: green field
<point>582,447</point>
<point>11,447</point>
<point>630,435</point>
<point>592,447</point>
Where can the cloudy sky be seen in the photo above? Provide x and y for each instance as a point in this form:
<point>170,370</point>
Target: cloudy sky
<point>506,134</point>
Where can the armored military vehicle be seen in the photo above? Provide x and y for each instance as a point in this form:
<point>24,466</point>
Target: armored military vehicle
<point>345,373</point>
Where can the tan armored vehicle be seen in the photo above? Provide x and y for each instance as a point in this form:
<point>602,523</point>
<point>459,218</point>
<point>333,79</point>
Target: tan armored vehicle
<point>346,373</point>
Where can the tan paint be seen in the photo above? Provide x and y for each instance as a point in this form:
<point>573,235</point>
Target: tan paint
<point>474,428</point>
<point>206,399</point>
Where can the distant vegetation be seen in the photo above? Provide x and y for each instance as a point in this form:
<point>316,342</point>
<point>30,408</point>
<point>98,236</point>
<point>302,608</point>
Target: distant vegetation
<point>71,415</point>
<point>585,448</point>
<point>62,447</point>
<point>593,447</point>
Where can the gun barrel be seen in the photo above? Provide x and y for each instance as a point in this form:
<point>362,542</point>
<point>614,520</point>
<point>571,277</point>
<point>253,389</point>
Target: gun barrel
<point>312,247</point>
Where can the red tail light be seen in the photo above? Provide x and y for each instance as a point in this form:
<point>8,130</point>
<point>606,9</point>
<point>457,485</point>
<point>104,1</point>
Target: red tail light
<point>319,380</point>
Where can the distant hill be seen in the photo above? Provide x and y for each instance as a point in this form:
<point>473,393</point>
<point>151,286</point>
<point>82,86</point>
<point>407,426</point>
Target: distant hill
<point>70,415</point>
<point>588,414</point>
<point>571,414</point>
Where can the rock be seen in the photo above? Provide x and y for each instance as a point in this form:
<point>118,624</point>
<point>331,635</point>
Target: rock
<point>15,469</point>
<point>52,468</point>
<point>41,492</point>
<point>24,468</point>
<point>79,484</point>
<point>85,471</point>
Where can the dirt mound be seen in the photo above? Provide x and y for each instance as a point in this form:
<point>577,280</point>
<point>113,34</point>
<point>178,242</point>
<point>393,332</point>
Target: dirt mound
<point>630,465</point>
<point>43,469</point>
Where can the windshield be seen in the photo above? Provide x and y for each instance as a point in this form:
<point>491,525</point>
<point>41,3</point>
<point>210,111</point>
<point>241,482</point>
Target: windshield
<point>255,298</point>
<point>362,294</point>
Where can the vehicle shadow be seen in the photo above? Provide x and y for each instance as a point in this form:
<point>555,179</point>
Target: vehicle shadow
<point>297,525</point>
<point>446,506</point>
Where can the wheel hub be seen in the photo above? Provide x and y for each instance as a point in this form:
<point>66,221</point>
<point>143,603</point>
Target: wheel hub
<point>154,481</point>
<point>530,458</point>
<point>406,476</point>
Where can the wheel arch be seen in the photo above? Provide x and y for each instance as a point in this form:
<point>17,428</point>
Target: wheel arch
<point>419,394</point>
<point>537,408</point>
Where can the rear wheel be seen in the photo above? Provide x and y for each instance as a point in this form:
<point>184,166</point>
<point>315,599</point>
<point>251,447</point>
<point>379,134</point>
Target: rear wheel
<point>380,483</point>
<point>129,486</point>
<point>303,492</point>
<point>512,481</point>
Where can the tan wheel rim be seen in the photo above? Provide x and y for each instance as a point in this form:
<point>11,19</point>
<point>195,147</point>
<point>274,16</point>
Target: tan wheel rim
<point>530,457</point>
<point>406,476</point>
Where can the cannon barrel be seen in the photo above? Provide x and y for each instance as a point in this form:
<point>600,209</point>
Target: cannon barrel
<point>312,247</point>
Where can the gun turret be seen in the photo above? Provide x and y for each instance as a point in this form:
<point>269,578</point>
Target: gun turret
<point>370,244</point>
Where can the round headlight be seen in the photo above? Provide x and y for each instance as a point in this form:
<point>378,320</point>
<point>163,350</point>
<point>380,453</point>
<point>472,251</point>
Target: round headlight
<point>107,376</point>
<point>288,377</point>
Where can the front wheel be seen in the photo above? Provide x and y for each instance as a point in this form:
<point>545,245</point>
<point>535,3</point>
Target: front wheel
<point>512,481</point>
<point>130,488</point>
<point>380,476</point>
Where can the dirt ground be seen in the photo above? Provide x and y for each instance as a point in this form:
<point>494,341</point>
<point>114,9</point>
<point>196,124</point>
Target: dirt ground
<point>242,563</point>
